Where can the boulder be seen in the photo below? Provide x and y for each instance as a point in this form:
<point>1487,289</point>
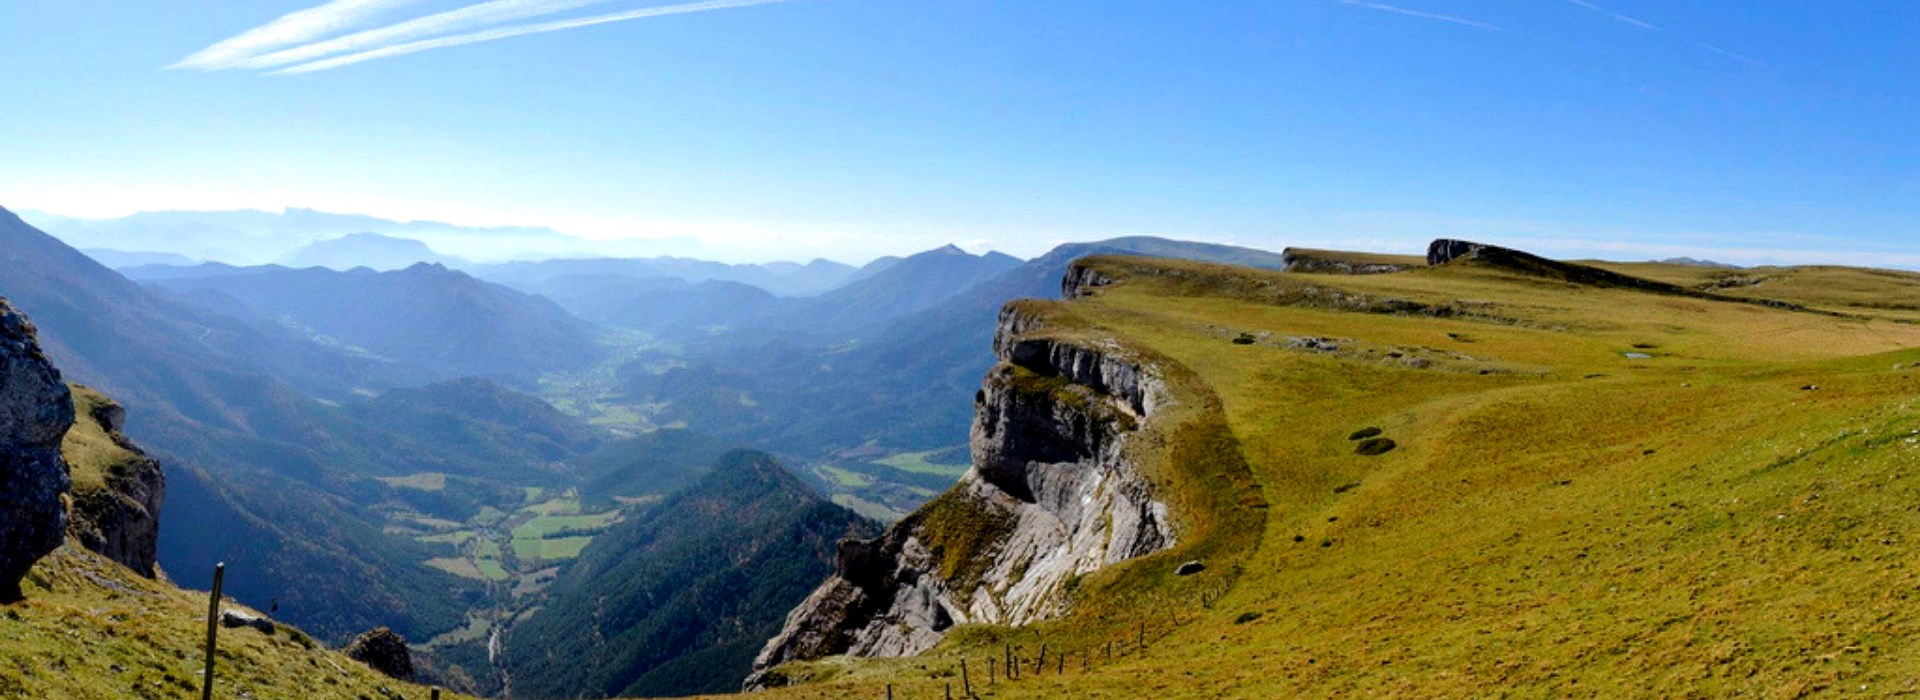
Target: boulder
<point>35,412</point>
<point>383,651</point>
<point>241,618</point>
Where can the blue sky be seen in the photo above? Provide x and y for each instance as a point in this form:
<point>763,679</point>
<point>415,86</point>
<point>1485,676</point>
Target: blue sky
<point>1748,131</point>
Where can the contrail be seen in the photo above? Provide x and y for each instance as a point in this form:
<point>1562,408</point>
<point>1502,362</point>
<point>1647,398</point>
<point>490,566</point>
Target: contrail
<point>521,30</point>
<point>1649,26</point>
<point>460,20</point>
<point>289,30</point>
<point>1610,13</point>
<point>1419,13</point>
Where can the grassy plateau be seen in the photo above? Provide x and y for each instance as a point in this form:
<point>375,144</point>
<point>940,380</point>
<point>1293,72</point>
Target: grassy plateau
<point>1591,491</point>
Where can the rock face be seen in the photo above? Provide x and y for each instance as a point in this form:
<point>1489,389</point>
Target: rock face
<point>383,651</point>
<point>35,410</point>
<point>117,488</point>
<point>1446,250</point>
<point>1052,495</point>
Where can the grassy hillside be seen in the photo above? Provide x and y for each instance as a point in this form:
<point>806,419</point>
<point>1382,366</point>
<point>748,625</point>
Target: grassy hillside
<point>678,599</point>
<point>92,455</point>
<point>92,630</point>
<point>1592,491</point>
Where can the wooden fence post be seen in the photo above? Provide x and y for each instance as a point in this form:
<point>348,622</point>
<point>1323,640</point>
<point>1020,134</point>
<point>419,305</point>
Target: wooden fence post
<point>889,691</point>
<point>989,670</point>
<point>213,628</point>
<point>1040,664</point>
<point>436,693</point>
<point>966,683</point>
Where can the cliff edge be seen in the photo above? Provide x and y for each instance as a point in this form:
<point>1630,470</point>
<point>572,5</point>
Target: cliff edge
<point>117,488</point>
<point>1054,493</point>
<point>35,411</point>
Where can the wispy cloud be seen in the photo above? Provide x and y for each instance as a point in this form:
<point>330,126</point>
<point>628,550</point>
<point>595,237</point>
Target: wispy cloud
<point>1610,13</point>
<point>404,48</point>
<point>290,30</point>
<point>1419,13</point>
<point>1649,26</point>
<point>460,20</point>
<point>311,40</point>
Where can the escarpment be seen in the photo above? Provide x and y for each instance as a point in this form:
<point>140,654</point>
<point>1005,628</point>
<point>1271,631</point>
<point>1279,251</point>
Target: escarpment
<point>35,410</point>
<point>1053,494</point>
<point>117,488</point>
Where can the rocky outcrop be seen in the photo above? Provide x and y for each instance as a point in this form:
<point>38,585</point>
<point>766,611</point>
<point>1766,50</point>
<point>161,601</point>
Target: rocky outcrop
<point>233,619</point>
<point>35,410</point>
<point>117,488</point>
<point>1080,281</point>
<point>384,651</point>
<point>1314,261</point>
<point>1052,495</point>
<point>1445,250</point>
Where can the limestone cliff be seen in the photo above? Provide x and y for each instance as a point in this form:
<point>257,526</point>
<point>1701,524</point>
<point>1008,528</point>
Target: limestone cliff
<point>117,488</point>
<point>1053,494</point>
<point>35,410</point>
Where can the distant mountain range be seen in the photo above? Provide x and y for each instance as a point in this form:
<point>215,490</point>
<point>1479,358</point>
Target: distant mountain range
<point>370,250</point>
<point>671,306</point>
<point>251,237</point>
<point>431,321</point>
<point>904,384</point>
<point>571,277</point>
<point>263,475</point>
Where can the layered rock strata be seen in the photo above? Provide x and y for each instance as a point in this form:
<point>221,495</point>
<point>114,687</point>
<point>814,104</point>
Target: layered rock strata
<point>1052,495</point>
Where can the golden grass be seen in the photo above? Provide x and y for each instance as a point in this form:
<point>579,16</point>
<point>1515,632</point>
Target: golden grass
<point>1729,517</point>
<point>91,630</point>
<point>90,451</point>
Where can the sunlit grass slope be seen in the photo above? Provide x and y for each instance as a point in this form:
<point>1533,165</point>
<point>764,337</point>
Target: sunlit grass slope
<point>90,629</point>
<point>1596,492</point>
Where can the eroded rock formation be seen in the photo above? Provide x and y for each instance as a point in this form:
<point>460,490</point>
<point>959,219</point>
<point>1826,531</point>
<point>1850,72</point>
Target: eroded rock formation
<point>35,411</point>
<point>117,488</point>
<point>1052,495</point>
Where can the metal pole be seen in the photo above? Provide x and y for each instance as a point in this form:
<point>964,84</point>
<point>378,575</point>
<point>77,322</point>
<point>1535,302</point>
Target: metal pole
<point>213,628</point>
